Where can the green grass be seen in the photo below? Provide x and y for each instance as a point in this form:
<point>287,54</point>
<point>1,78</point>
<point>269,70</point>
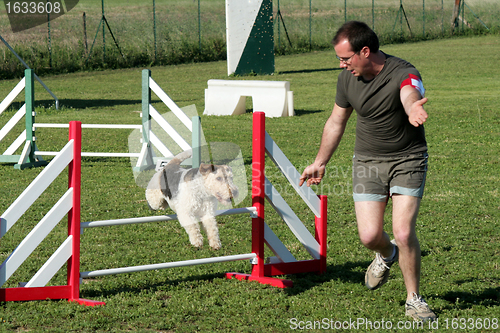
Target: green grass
<point>458,225</point>
<point>186,33</point>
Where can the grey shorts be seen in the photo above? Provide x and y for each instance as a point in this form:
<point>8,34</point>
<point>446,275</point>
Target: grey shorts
<point>378,178</point>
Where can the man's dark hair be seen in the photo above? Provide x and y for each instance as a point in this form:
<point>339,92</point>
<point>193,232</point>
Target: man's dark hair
<point>359,35</point>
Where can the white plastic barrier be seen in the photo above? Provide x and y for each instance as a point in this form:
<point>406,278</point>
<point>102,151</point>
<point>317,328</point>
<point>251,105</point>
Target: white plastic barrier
<point>228,97</point>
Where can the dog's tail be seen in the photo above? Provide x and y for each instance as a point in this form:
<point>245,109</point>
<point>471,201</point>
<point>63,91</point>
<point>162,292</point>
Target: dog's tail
<point>179,158</point>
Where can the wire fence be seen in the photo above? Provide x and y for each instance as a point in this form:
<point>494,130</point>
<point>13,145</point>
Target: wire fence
<point>116,33</point>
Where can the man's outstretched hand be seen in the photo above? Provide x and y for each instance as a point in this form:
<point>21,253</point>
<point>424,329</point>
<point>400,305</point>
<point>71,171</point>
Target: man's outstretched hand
<point>312,175</point>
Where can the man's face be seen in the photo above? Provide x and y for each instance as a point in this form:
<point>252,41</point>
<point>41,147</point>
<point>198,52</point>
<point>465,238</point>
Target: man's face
<point>349,60</point>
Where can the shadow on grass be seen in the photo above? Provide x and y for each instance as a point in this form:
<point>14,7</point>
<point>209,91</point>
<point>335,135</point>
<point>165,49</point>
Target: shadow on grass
<point>301,282</point>
<point>79,103</point>
<point>462,300</point>
<point>347,272</point>
<point>310,70</point>
<point>138,289</point>
<point>298,112</point>
<point>302,112</point>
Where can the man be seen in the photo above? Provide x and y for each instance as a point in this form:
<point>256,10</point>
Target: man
<point>390,157</point>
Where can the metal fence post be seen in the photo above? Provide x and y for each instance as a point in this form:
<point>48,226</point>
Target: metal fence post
<point>154,29</point>
<point>423,17</point>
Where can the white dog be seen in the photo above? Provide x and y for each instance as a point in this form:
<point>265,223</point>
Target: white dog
<point>193,195</point>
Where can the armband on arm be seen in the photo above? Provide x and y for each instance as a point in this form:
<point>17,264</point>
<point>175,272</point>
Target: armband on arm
<point>415,82</point>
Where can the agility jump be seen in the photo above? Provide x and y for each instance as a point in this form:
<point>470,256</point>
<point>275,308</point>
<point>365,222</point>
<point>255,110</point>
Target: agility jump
<point>31,156</point>
<point>283,263</point>
<point>69,251</point>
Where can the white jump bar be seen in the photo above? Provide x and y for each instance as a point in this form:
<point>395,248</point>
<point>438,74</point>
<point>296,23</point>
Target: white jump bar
<point>147,219</point>
<point>109,126</point>
<point>132,269</point>
<point>53,153</point>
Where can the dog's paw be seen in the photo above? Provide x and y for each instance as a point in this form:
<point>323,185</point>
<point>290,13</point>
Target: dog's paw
<point>196,241</point>
<point>215,244</point>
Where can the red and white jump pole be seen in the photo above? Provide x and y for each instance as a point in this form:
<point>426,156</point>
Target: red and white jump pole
<point>69,249</point>
<point>262,272</point>
<point>74,181</point>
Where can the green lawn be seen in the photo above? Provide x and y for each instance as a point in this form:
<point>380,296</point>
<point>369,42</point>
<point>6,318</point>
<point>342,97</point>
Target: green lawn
<point>458,224</point>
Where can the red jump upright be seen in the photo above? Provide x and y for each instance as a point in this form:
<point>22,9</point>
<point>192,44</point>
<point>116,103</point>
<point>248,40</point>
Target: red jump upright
<point>261,271</point>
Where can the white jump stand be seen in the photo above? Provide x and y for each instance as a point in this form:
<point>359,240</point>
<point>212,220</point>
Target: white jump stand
<point>228,97</point>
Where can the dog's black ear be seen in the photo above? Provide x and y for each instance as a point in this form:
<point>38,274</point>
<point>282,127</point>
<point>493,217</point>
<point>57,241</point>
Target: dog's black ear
<point>206,168</point>
<point>164,185</point>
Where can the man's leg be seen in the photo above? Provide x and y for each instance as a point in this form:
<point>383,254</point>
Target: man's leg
<point>370,217</point>
<point>370,220</point>
<point>404,218</point>
<point>405,210</point>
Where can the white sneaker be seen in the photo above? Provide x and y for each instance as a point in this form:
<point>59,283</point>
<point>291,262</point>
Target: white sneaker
<point>418,309</point>
<point>378,272</point>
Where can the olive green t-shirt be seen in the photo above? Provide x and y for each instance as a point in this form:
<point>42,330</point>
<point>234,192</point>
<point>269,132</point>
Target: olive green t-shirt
<point>382,127</point>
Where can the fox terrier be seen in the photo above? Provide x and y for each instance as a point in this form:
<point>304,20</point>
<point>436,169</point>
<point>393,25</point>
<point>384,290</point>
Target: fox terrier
<point>193,194</point>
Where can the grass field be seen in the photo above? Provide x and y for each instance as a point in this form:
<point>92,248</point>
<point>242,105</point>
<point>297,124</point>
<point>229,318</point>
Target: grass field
<point>458,225</point>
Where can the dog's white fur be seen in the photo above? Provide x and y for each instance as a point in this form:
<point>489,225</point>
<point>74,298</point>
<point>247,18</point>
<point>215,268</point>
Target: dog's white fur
<point>193,194</point>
